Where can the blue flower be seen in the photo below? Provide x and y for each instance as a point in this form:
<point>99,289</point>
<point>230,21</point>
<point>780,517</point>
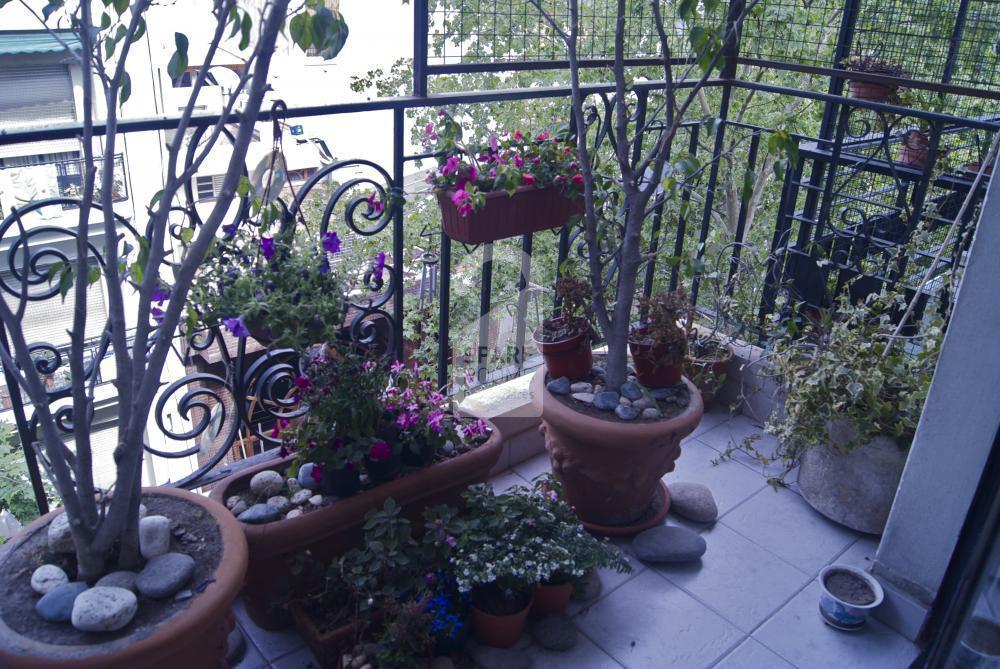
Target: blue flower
<point>331,242</point>
<point>160,294</point>
<point>324,265</point>
<point>236,326</point>
<point>230,230</point>
<point>267,247</point>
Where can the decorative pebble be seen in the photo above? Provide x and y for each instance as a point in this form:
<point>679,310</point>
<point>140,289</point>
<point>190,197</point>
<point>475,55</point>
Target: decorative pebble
<point>305,477</point>
<point>279,502</point>
<point>182,595</point>
<point>586,398</point>
<point>598,370</point>
<point>661,394</point>
<point>259,513</point>
<point>301,497</point>
<point>449,448</point>
<point>487,657</point>
<point>650,414</point>
<point>294,513</point>
<point>625,401</point>
<point>582,387</point>
<point>104,609</point>
<point>316,500</point>
<point>631,390</point>
<point>668,543</point>
<point>598,387</point>
<point>154,536</point>
<point>164,575</point>
<point>626,412</point>
<point>59,536</point>
<point>293,486</point>
<point>693,501</point>
<point>267,483</point>
<point>240,507</point>
<point>47,578</point>
<point>606,400</point>
<point>644,403</point>
<point>560,386</point>
<point>57,605</point>
<point>554,632</point>
<point>233,501</point>
<point>118,579</point>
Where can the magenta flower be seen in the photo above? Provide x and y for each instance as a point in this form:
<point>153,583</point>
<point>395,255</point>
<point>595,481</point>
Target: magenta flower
<point>397,366</point>
<point>267,247</point>
<point>331,242</point>
<point>494,143</point>
<point>379,264</point>
<point>435,421</point>
<point>429,129</point>
<point>157,314</point>
<point>379,451</point>
<point>451,165</point>
<point>374,203</point>
<point>302,383</point>
<point>279,425</point>
<point>236,326</point>
<point>368,365</point>
<point>461,201</point>
<point>317,473</point>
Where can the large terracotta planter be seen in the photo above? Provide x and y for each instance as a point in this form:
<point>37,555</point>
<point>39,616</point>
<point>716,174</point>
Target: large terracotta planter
<point>914,149</point>
<point>528,210</point>
<point>570,357</point>
<point>333,529</point>
<point>855,489</point>
<point>194,638</point>
<point>610,470</point>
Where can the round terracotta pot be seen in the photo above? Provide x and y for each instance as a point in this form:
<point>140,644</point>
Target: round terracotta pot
<point>334,529</point>
<point>657,365</point>
<point>706,371</point>
<point>552,598</point>
<point>914,150</point>
<point>194,638</point>
<point>610,470</point>
<point>499,631</point>
<point>570,357</point>
<point>866,90</point>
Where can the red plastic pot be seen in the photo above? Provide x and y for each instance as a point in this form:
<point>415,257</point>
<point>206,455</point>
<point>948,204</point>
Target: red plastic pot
<point>866,90</point>
<point>499,631</point>
<point>570,357</point>
<point>528,210</point>
<point>657,364</point>
<point>552,598</point>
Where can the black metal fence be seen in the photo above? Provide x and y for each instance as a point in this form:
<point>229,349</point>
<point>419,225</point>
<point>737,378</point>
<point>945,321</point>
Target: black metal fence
<point>841,210</point>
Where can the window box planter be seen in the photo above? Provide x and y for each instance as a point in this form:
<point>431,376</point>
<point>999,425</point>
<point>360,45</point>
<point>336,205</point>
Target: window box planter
<point>333,529</point>
<point>528,210</point>
<point>191,633</point>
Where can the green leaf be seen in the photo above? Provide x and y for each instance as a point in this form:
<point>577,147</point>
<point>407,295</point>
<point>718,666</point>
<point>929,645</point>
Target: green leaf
<point>140,30</point>
<point>686,9</point>
<point>105,20</point>
<point>179,61</point>
<point>94,275</point>
<point>121,6</point>
<point>109,47</point>
<point>244,187</point>
<point>65,281</point>
<point>300,30</point>
<point>126,88</point>
<point>245,25</point>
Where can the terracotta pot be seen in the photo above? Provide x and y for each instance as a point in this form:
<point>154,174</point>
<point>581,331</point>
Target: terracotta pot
<point>194,638</point>
<point>866,90</point>
<point>570,357</point>
<point>610,469</point>
<point>333,529</point>
<point>552,598</point>
<point>528,210</point>
<point>329,646</point>
<point>706,372</point>
<point>499,631</point>
<point>914,150</point>
<point>658,365</point>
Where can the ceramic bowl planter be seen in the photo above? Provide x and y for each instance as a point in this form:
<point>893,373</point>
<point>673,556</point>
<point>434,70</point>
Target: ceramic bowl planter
<point>499,631</point>
<point>847,596</point>
<point>610,470</point>
<point>569,356</point>
<point>191,633</point>
<point>335,528</point>
<point>657,364</point>
<point>856,488</point>
<point>528,210</point>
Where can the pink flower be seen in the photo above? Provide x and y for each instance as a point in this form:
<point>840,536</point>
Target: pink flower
<point>578,179</point>
<point>397,366</point>
<point>374,203</point>
<point>436,421</point>
<point>368,366</point>
<point>518,136</point>
<point>528,179</point>
<point>379,451</point>
<point>279,425</point>
<point>494,143</point>
<point>303,383</point>
<point>518,162</point>
<point>451,165</point>
<point>317,473</point>
<point>542,136</point>
<point>461,201</point>
<point>441,112</point>
<point>429,129</point>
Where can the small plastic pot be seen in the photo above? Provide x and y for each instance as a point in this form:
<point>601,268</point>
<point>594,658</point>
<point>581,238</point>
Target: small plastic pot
<point>569,357</point>
<point>342,482</point>
<point>914,150</point>
<point>552,598</point>
<point>657,364</point>
<point>841,614</point>
<point>499,631</point>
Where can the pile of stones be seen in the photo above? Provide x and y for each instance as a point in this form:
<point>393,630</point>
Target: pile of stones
<point>633,401</point>
<point>272,497</point>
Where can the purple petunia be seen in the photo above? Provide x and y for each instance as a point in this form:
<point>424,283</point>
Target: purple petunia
<point>379,264</point>
<point>230,230</point>
<point>267,247</point>
<point>236,326</point>
<point>460,199</point>
<point>451,165</point>
<point>157,314</point>
<point>161,294</point>
<point>379,451</point>
<point>317,473</point>
<point>331,242</point>
<point>374,203</point>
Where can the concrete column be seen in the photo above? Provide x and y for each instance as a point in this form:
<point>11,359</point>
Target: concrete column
<point>953,439</point>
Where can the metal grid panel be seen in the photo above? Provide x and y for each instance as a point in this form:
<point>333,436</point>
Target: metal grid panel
<point>793,31</point>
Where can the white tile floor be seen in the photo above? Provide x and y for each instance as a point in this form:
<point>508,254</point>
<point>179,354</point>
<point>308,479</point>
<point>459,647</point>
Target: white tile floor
<point>750,603</point>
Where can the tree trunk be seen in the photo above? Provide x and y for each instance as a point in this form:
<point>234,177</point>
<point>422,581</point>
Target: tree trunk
<point>89,563</point>
<point>617,338</point>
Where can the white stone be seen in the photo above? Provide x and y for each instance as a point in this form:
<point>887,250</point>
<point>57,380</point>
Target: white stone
<point>60,538</point>
<point>644,402</point>
<point>301,497</point>
<point>294,513</point>
<point>240,507</point>
<point>104,609</point>
<point>649,414</point>
<point>143,511</point>
<point>581,387</point>
<point>233,501</point>
<point>47,577</point>
<point>154,536</point>
<point>279,502</point>
<point>624,400</point>
<point>316,500</point>
<point>293,486</point>
<point>586,398</point>
<point>9,525</point>
<point>267,483</point>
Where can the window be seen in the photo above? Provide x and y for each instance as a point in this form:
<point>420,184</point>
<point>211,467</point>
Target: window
<point>208,187</point>
<point>35,95</point>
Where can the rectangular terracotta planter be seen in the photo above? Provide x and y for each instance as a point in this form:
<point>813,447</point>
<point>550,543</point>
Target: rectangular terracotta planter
<point>334,529</point>
<point>528,210</point>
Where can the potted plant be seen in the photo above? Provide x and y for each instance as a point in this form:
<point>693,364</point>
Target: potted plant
<point>510,185</point>
<point>658,342</point>
<point>847,596</point>
<point>564,340</point>
<point>914,149</point>
<point>86,618</point>
<point>852,402</point>
<point>872,64</point>
<point>707,364</point>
